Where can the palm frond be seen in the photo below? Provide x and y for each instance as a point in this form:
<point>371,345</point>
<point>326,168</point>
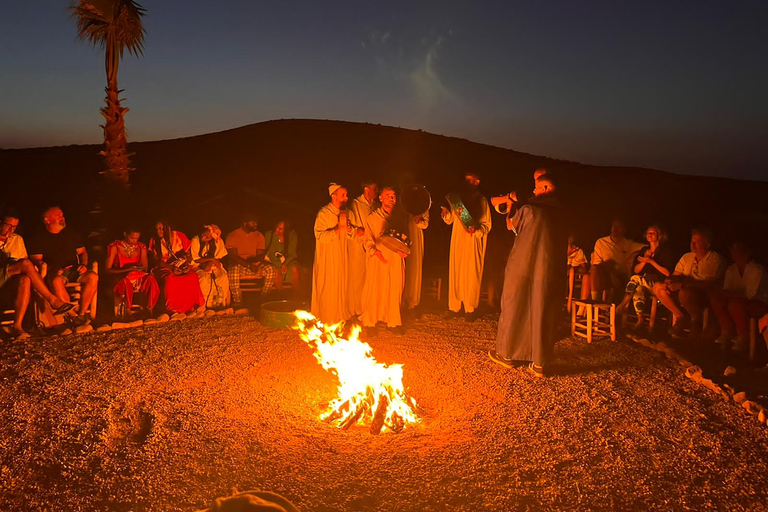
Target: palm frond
<point>114,21</point>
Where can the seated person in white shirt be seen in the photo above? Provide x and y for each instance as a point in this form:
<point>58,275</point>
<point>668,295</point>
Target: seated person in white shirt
<point>18,276</point>
<point>687,289</point>
<point>611,260</point>
<point>744,294</point>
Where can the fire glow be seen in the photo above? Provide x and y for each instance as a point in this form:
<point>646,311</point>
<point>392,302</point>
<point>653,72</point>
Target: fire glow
<point>369,392</point>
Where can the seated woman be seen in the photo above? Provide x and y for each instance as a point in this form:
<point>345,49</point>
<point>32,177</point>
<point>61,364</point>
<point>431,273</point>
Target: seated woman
<point>653,264</point>
<point>127,262</point>
<point>169,250</point>
<point>281,254</point>
<point>744,295</point>
<point>206,251</point>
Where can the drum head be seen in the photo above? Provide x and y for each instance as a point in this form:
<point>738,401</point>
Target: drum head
<point>416,199</point>
<point>395,244</point>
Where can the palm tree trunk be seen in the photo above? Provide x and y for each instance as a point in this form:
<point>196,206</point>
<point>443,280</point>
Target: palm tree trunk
<point>116,156</point>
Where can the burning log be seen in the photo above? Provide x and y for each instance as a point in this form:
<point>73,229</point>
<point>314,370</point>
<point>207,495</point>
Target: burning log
<point>380,415</point>
<point>369,392</point>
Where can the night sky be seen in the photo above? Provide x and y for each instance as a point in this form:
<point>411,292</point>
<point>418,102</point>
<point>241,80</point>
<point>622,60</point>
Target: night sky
<point>674,85</point>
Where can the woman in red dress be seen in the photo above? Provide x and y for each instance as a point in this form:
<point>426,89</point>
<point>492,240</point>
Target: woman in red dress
<point>170,254</point>
<point>127,262</point>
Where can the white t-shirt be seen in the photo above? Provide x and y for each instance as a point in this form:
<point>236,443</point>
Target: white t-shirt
<point>577,258</point>
<point>623,252</point>
<point>709,267</point>
<point>14,247</point>
<point>753,284</point>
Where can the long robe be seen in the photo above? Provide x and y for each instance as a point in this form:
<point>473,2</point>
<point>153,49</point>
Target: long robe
<point>383,289</point>
<point>415,261</point>
<point>358,212</point>
<point>329,273</point>
<point>465,268</point>
<point>215,283</point>
<point>534,282</point>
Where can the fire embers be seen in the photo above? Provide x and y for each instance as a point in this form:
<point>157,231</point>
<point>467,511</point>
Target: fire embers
<point>369,392</point>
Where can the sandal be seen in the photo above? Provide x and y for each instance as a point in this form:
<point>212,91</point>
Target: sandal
<point>19,334</point>
<point>64,308</point>
<point>503,361</point>
<point>536,370</point>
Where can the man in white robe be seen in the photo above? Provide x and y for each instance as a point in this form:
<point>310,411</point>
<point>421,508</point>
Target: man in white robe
<point>359,210</point>
<point>465,269</point>
<point>414,264</point>
<point>329,273</point>
<point>384,271</point>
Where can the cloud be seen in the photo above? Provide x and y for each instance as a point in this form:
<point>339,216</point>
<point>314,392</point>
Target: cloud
<point>413,62</point>
<point>426,82</point>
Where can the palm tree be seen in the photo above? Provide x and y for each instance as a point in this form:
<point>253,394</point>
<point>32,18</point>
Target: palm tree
<point>114,25</point>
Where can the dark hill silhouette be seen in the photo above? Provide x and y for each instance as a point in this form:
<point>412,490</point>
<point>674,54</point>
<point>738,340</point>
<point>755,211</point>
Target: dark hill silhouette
<point>282,168</point>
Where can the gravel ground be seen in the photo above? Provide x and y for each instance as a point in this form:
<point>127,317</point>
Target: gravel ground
<point>171,416</point>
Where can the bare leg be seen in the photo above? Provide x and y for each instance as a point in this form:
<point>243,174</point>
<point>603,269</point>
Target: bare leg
<point>21,303</point>
<point>621,308</point>
<point>90,282</point>
<point>28,270</point>
<point>661,293</point>
<point>58,287</point>
<point>295,276</point>
<point>690,300</point>
<point>278,279</point>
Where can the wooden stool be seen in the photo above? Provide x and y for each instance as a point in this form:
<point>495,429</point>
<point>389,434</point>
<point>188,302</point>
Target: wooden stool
<point>435,287</point>
<point>600,321</point>
<point>251,284</point>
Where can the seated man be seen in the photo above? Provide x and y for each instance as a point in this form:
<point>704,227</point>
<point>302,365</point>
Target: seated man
<point>64,252</point>
<point>695,275</point>
<point>744,295</point>
<point>246,248</point>
<point>16,271</point>
<point>611,261</point>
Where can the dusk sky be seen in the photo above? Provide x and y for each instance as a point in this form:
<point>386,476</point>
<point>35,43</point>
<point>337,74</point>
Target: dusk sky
<point>674,85</point>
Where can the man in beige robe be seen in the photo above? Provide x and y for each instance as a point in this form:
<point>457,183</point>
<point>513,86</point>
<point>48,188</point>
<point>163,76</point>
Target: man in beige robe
<point>414,264</point>
<point>384,271</point>
<point>329,273</point>
<point>465,269</point>
<point>359,210</point>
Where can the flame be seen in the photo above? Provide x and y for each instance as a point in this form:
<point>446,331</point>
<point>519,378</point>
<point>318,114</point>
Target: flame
<point>369,392</point>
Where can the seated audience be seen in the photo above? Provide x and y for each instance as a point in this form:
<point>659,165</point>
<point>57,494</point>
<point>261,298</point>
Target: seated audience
<point>246,248</point>
<point>18,275</point>
<point>687,289</point>
<point>744,294</point>
<point>281,254</point>
<point>653,264</point>
<point>207,250</point>
<point>611,261</point>
<point>128,264</point>
<point>170,254</point>
<point>63,250</point>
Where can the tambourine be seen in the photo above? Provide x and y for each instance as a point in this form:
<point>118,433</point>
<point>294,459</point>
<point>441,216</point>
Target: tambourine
<point>395,241</point>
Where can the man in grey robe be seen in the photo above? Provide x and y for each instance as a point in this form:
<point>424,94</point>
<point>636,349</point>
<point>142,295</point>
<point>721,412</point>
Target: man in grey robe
<point>534,281</point>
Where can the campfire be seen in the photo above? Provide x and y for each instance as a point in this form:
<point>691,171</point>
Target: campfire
<point>369,392</point>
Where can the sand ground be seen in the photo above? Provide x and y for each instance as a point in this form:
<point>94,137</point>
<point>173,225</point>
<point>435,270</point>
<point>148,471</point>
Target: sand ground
<point>171,416</point>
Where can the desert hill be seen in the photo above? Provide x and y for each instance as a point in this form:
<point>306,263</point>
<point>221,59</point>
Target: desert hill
<point>282,168</point>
